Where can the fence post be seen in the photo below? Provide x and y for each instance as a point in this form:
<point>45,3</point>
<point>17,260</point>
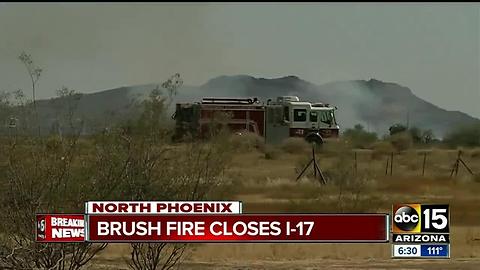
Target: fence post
<point>391,164</point>
<point>458,162</point>
<point>386,167</point>
<point>455,165</point>
<point>355,167</point>
<point>424,161</point>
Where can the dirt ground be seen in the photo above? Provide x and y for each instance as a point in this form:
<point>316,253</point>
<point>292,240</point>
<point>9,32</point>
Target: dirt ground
<point>470,264</point>
<point>268,185</point>
<point>465,254</point>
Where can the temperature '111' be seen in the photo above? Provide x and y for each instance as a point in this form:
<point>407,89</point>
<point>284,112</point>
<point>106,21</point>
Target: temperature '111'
<point>435,251</point>
<point>422,251</point>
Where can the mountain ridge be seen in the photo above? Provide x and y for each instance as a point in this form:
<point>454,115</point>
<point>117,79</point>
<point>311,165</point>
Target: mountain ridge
<point>373,103</point>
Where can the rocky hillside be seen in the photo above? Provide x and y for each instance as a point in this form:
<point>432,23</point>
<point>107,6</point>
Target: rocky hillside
<point>374,104</point>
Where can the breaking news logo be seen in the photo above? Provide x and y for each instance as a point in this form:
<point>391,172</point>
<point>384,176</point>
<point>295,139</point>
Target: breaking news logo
<point>60,228</point>
<point>420,218</point>
<point>40,228</point>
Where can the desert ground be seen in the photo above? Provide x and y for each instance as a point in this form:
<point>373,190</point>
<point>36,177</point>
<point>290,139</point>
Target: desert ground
<point>264,179</point>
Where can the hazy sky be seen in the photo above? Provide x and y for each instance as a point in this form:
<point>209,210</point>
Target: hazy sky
<point>432,48</point>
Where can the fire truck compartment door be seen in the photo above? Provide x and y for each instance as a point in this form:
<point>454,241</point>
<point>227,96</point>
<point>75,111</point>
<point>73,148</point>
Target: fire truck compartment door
<point>276,134</point>
<point>276,127</point>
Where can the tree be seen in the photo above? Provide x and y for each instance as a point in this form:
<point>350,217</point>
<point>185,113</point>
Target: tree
<point>65,105</point>
<point>43,175</point>
<point>158,172</point>
<point>397,128</point>
<point>58,174</point>
<point>428,136</point>
<point>34,72</point>
<point>416,134</point>
<point>21,111</point>
<point>5,108</point>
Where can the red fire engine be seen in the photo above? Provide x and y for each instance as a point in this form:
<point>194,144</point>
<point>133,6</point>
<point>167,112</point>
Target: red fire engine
<point>277,120</point>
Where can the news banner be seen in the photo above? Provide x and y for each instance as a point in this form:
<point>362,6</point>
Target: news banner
<point>414,230</point>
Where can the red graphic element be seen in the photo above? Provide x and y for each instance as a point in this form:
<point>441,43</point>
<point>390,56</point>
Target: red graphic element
<point>163,207</point>
<point>60,228</point>
<point>239,228</point>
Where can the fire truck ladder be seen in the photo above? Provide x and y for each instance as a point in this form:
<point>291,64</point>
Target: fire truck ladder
<point>226,100</point>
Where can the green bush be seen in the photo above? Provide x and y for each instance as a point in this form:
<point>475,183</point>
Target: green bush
<point>358,137</point>
<point>465,136</point>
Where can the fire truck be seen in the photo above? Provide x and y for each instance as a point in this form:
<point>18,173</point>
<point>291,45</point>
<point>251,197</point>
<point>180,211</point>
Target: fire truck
<point>274,120</point>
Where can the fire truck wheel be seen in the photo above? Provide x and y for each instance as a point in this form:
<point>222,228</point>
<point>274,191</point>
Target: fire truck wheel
<point>314,138</point>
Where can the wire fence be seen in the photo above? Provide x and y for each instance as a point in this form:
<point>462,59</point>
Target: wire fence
<point>424,163</point>
<point>390,162</point>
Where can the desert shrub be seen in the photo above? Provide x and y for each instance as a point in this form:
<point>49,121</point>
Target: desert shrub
<point>53,143</point>
<point>350,188</point>
<point>133,162</point>
<point>358,137</point>
<point>247,141</point>
<point>465,136</point>
<point>381,148</point>
<point>412,159</point>
<point>416,134</point>
<point>401,141</point>
<point>420,136</point>
<point>295,145</point>
<point>336,147</point>
<point>44,175</point>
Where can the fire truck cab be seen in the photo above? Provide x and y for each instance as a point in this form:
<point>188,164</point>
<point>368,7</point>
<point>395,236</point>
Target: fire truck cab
<point>313,121</point>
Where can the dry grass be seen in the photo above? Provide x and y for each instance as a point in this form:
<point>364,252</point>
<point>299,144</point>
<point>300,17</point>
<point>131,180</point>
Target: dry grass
<point>268,185</point>
<point>295,145</point>
<point>465,244</point>
<point>334,147</point>
<point>247,141</point>
<point>272,152</point>
<point>475,153</point>
<point>381,149</point>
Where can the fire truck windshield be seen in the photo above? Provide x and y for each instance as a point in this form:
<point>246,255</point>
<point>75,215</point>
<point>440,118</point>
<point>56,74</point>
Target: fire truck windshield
<point>327,117</point>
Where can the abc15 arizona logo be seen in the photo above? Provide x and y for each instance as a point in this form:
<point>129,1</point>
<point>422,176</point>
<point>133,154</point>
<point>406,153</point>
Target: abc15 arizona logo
<point>420,218</point>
